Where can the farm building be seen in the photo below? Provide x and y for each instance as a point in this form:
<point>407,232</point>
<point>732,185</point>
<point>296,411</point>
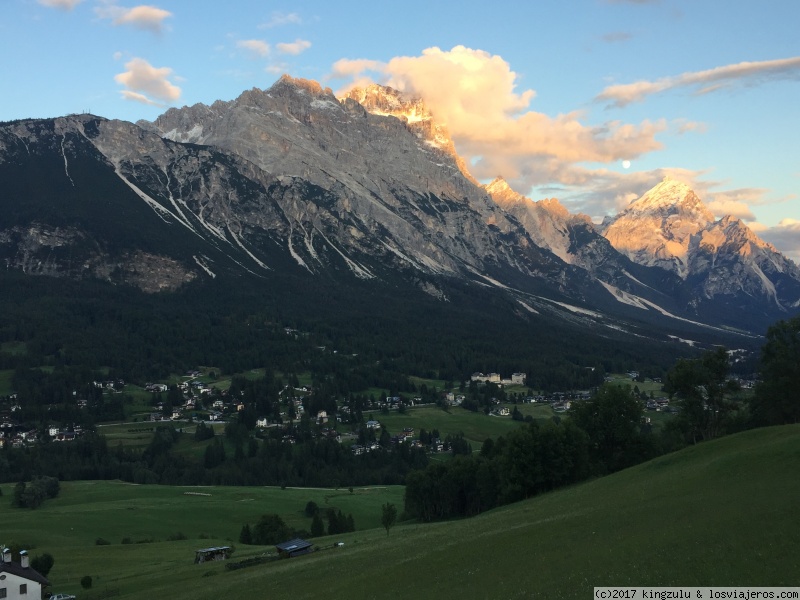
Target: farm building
<point>215,553</point>
<point>294,547</point>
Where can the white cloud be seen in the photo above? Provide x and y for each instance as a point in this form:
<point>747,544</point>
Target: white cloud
<point>279,19</point>
<point>137,97</point>
<point>146,17</point>
<point>254,47</point>
<point>785,236</point>
<point>617,36</point>
<point>736,202</point>
<point>346,68</point>
<point>62,4</point>
<point>295,47</point>
<point>682,126</point>
<point>147,84</point>
<point>474,93</point>
<point>704,82</point>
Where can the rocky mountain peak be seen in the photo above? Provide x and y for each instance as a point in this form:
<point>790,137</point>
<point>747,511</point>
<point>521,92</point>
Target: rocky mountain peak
<point>386,101</point>
<point>295,85</point>
<point>671,197</point>
<point>502,193</point>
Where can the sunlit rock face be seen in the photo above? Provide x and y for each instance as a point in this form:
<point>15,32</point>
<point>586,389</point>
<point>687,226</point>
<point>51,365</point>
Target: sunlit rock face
<point>390,168</point>
<point>669,227</point>
<point>657,229</point>
<point>548,222</point>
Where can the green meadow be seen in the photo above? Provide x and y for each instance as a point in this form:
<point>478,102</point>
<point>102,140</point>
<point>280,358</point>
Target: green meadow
<point>722,513</point>
<point>475,426</point>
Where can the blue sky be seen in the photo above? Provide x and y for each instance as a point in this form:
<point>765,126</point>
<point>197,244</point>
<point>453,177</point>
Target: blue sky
<point>590,101</point>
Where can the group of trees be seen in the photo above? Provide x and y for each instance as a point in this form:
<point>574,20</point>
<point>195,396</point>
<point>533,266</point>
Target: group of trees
<point>271,529</point>
<point>529,460</point>
<point>607,433</point>
<point>283,457</point>
<point>31,495</point>
<point>777,395</point>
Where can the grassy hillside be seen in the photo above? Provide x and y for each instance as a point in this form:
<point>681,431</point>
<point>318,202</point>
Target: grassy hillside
<point>721,513</point>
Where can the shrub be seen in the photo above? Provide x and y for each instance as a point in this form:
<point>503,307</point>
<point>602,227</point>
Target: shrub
<point>101,542</point>
<point>86,582</point>
<point>43,563</point>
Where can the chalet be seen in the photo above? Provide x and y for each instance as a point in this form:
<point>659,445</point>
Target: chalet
<point>373,425</point>
<point>19,580</point>
<point>503,411</point>
<point>295,547</point>
<point>262,422</point>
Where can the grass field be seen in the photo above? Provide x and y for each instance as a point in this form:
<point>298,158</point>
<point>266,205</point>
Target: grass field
<point>475,426</point>
<point>723,513</point>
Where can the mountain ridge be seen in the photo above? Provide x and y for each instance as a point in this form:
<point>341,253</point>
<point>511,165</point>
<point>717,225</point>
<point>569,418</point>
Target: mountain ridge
<point>293,178</point>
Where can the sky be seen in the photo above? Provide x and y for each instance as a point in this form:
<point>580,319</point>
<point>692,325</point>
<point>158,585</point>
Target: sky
<point>589,101</point>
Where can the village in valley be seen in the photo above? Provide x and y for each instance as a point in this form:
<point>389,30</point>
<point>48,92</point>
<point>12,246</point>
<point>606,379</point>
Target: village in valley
<point>200,396</point>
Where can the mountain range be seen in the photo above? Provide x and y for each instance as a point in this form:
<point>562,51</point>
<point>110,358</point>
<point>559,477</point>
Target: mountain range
<point>366,188</point>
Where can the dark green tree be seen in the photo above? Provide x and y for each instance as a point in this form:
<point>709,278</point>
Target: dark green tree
<point>777,397</point>
<point>703,389</point>
<point>271,529</point>
<point>612,419</point>
<point>317,526</point>
<point>388,516</point>
<point>43,563</point>
<point>245,535</point>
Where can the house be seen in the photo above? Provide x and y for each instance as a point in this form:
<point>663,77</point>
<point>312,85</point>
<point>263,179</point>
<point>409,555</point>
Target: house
<point>503,411</point>
<point>295,547</point>
<point>373,425</point>
<point>20,581</point>
<point>518,378</point>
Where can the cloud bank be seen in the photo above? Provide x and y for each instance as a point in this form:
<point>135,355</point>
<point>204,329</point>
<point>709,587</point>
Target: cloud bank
<point>703,82</point>
<point>475,94</point>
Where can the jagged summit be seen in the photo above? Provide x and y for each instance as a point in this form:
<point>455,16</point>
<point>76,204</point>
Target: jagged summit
<point>670,197</point>
<point>381,99</point>
<point>502,193</point>
<point>669,227</point>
